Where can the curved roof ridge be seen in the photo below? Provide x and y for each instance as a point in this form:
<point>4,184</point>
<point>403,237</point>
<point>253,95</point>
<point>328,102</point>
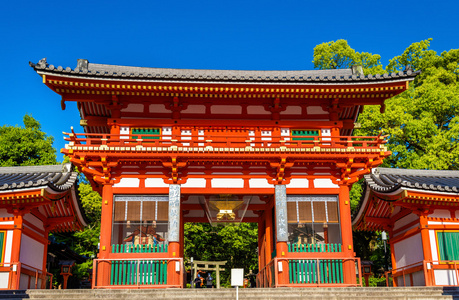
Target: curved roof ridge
<point>416,172</point>
<point>86,69</point>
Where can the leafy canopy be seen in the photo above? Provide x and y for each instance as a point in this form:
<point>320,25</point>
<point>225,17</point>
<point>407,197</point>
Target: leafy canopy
<point>339,55</point>
<point>26,146</point>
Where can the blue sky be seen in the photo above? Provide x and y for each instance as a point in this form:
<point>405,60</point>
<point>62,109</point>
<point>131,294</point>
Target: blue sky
<point>218,34</point>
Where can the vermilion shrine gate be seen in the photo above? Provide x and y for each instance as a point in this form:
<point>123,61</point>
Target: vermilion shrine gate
<point>169,146</point>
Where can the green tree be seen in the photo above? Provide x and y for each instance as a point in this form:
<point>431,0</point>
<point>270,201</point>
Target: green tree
<point>339,55</point>
<point>422,124</point>
<point>26,146</point>
<point>235,243</point>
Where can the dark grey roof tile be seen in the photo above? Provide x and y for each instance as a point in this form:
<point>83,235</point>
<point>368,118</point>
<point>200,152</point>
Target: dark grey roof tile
<point>388,180</point>
<point>58,178</point>
<point>97,70</point>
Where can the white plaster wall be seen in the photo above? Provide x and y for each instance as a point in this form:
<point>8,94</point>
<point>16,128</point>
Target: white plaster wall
<point>31,252</point>
<point>128,182</point>
<point>407,281</point>
<point>259,183</point>
<point>195,109</point>
<point>8,246</point>
<point>226,109</point>
<point>158,108</point>
<point>4,214</point>
<point>227,183</point>
<point>418,279</point>
<point>324,183</point>
<point>195,183</point>
<point>155,182</point>
<point>291,110</point>
<point>405,220</point>
<point>408,251</point>
<point>433,244</point>
<point>24,282</point>
<point>133,108</point>
<point>441,213</point>
<point>316,110</point>
<point>7,223</point>
<point>445,277</point>
<point>34,220</point>
<point>4,279</point>
<point>257,110</point>
<point>298,183</point>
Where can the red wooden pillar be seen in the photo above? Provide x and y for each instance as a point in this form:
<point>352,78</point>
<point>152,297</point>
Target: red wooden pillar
<point>103,269</point>
<point>426,247</point>
<point>16,250</point>
<point>346,234</point>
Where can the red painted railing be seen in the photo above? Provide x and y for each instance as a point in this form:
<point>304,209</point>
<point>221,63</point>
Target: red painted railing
<point>224,141</point>
<point>428,268</point>
<point>31,272</point>
<point>138,273</point>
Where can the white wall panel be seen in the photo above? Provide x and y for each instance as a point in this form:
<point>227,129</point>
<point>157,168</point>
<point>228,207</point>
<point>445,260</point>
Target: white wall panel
<point>128,182</point>
<point>259,183</point>
<point>298,183</point>
<point>408,251</point>
<point>155,182</point>
<point>445,277</point>
<point>227,183</point>
<point>195,183</point>
<point>324,183</point>
<point>4,279</point>
<point>31,252</point>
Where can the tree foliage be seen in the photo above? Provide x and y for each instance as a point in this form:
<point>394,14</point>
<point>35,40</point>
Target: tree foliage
<point>237,244</point>
<point>339,55</point>
<point>422,124</point>
<point>26,146</point>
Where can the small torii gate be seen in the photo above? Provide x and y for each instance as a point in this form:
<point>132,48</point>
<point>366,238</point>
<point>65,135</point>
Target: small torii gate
<point>208,267</point>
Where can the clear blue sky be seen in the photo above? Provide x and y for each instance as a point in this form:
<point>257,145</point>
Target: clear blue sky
<point>205,34</point>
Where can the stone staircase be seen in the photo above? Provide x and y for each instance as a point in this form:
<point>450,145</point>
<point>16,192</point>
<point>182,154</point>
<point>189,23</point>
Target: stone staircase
<point>411,293</point>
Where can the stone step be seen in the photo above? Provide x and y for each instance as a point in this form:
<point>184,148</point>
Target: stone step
<point>264,297</point>
<point>422,293</point>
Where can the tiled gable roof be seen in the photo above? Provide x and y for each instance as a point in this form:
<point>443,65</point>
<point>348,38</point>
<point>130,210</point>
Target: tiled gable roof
<point>58,178</point>
<point>387,180</point>
<point>86,69</point>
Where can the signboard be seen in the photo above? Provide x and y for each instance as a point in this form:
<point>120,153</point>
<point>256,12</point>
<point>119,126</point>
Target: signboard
<point>237,277</point>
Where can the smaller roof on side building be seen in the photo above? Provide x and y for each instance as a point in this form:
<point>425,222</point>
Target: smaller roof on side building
<point>386,188</point>
<point>51,190</point>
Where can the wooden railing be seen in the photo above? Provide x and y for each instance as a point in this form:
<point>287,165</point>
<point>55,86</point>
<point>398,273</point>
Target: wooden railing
<point>123,248</point>
<point>428,268</point>
<point>223,141</point>
<point>307,272</point>
<point>316,271</point>
<point>137,273</point>
<point>30,272</point>
<point>314,247</point>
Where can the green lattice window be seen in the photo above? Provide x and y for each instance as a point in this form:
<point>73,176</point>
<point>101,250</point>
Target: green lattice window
<point>156,132</point>
<point>448,245</point>
<point>304,134</point>
<point>2,245</point>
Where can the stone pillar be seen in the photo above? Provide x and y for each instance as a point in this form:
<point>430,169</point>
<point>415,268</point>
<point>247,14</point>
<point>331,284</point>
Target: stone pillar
<point>281,231</point>
<point>174,233</point>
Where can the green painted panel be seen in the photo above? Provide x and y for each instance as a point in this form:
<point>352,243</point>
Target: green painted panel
<point>448,244</point>
<point>149,131</point>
